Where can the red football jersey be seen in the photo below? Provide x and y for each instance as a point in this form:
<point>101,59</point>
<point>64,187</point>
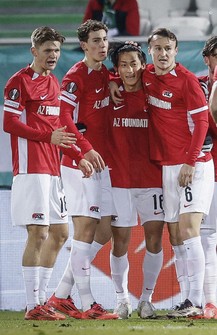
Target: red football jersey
<point>31,114</point>
<point>212,126</point>
<point>178,116</point>
<point>128,144</point>
<point>84,100</point>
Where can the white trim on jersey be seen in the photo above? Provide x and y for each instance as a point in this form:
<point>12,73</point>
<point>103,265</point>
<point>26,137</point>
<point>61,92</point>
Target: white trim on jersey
<point>198,110</point>
<point>11,110</point>
<point>67,100</point>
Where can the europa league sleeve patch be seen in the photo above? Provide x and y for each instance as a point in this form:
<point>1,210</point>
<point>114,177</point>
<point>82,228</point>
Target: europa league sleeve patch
<point>71,87</point>
<point>14,94</point>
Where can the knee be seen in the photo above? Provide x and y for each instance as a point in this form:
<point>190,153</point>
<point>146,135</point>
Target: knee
<point>59,236</point>
<point>154,245</point>
<point>62,237</point>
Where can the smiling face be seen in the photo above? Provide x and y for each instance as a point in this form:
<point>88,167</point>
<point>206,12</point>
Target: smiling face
<point>46,57</point>
<point>163,52</point>
<point>130,69</point>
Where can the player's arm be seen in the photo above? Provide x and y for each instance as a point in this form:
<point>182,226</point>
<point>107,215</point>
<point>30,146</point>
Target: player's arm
<point>13,126</point>
<point>14,105</point>
<point>115,94</point>
<point>68,105</point>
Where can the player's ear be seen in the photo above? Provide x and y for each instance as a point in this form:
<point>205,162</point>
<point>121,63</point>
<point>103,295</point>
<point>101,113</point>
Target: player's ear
<point>206,60</point>
<point>83,46</point>
<point>33,51</point>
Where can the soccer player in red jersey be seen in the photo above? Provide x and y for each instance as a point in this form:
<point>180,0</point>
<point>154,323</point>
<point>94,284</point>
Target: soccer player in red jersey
<point>84,101</point>
<point>31,116</point>
<point>178,127</point>
<point>136,182</point>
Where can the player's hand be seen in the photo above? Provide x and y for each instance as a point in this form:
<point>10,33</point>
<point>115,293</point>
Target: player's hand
<point>86,167</point>
<point>115,93</point>
<point>95,159</point>
<point>186,175</point>
<point>62,138</point>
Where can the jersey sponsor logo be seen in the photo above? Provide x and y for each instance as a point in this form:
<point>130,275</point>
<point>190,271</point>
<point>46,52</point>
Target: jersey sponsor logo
<point>98,90</point>
<point>131,123</point>
<point>63,216</point>
<point>14,94</point>
<point>135,123</point>
<point>167,94</point>
<point>187,205</point>
<point>42,97</point>
<point>118,107</point>
<point>101,103</point>
<point>71,87</point>
<point>48,110</point>
<point>159,103</point>
<point>94,209</point>
<point>38,216</point>
<point>147,84</point>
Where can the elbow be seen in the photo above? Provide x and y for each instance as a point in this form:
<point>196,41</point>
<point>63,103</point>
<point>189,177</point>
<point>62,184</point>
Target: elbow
<point>6,127</point>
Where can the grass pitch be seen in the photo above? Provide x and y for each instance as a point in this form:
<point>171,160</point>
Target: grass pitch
<point>13,323</point>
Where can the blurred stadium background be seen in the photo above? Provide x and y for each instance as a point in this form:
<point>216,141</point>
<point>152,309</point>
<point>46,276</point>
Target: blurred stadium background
<point>193,21</point>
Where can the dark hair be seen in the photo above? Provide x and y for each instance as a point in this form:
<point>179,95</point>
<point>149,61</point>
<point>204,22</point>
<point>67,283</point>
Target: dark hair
<point>44,34</point>
<point>163,32</point>
<point>88,26</point>
<point>118,49</point>
<point>210,46</point>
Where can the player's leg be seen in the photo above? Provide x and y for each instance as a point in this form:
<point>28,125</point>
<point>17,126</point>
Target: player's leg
<point>150,209</point>
<point>152,264</point>
<point>209,240</point>
<point>195,201</point>
<point>180,260</point>
<point>126,217</point>
<point>34,213</point>
<point>57,234</point>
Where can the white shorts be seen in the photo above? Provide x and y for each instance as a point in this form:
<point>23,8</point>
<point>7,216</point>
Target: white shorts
<point>37,199</point>
<point>87,196</point>
<point>131,203</point>
<point>196,197</point>
<point>210,221</point>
